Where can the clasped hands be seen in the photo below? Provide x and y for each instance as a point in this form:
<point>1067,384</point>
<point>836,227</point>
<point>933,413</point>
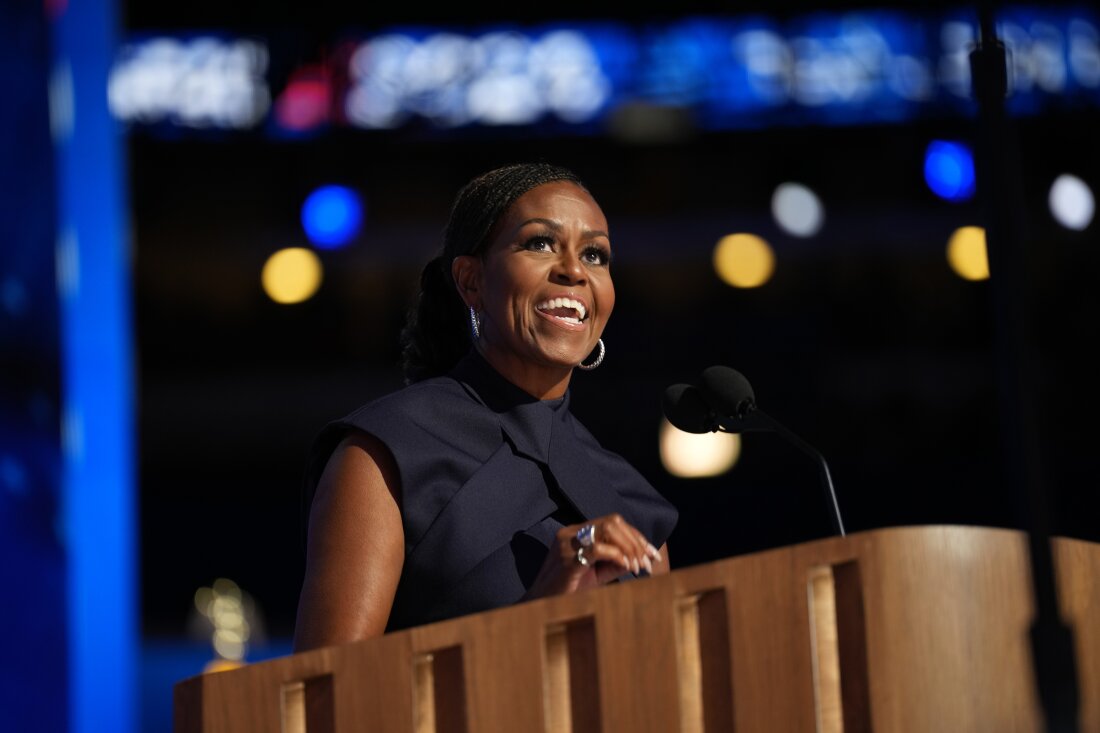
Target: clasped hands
<point>591,554</point>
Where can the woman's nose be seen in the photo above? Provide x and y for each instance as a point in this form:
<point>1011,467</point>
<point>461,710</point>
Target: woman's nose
<point>568,269</point>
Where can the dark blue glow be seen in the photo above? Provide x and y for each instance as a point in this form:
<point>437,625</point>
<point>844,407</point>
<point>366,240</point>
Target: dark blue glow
<point>33,672</point>
<point>332,216</point>
<point>949,170</point>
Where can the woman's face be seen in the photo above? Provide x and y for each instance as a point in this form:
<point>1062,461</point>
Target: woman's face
<point>545,282</point>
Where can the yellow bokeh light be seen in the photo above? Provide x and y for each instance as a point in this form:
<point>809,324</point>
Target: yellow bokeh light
<point>291,275</point>
<point>227,588</point>
<point>966,253</point>
<point>203,598</point>
<point>224,605</point>
<point>228,648</point>
<point>688,455</point>
<point>221,665</point>
<point>743,260</point>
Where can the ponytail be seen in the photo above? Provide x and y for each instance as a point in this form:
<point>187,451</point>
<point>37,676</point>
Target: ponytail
<point>436,332</point>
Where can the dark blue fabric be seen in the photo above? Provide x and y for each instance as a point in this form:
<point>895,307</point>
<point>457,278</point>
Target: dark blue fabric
<point>488,475</point>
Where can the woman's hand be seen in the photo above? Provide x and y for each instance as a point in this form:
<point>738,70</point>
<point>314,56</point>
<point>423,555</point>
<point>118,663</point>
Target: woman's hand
<point>616,548</point>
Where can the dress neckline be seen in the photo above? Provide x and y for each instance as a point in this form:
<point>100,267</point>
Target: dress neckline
<point>494,390</point>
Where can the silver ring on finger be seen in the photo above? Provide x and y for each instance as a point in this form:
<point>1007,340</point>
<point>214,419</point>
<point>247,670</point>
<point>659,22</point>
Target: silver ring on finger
<point>586,535</point>
<point>582,556</point>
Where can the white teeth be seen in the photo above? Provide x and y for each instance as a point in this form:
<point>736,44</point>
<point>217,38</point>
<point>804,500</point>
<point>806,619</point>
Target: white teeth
<point>565,303</point>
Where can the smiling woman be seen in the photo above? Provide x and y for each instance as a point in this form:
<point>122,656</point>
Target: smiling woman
<point>474,486</point>
<point>542,292</point>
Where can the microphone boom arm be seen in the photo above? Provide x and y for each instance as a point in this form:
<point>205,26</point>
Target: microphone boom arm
<point>753,419</point>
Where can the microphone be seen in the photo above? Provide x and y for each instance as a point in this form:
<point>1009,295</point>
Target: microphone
<point>685,408</point>
<point>728,390</point>
<point>724,400</point>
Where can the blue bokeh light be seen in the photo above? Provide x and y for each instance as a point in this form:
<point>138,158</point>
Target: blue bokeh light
<point>949,170</point>
<point>332,216</point>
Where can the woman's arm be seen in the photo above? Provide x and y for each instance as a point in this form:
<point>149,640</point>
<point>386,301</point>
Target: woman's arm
<point>356,547</point>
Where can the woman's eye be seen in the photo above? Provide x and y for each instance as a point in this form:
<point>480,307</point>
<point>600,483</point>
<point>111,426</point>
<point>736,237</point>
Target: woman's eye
<point>539,244</point>
<point>597,256</point>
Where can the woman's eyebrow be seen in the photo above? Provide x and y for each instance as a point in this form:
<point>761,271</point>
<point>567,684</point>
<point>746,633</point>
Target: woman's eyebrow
<point>556,226</point>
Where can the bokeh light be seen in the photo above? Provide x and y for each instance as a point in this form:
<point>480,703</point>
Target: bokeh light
<point>13,476</point>
<point>949,170</point>
<point>292,275</point>
<point>690,455</point>
<point>223,605</point>
<point>744,260</point>
<point>199,81</point>
<point>966,253</point>
<point>331,216</point>
<point>305,102</point>
<point>797,209</point>
<point>1072,202</point>
<point>13,296</point>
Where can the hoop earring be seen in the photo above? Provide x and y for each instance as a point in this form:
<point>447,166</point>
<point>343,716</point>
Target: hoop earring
<point>475,325</point>
<point>599,359</point>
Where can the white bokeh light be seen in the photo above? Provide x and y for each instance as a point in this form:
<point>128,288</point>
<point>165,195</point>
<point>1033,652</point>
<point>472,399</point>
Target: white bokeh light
<point>1072,202</point>
<point>690,455</point>
<point>198,82</point>
<point>797,209</point>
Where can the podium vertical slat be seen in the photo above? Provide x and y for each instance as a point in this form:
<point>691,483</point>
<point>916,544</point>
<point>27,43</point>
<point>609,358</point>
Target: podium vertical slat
<point>947,614</point>
<point>636,641</point>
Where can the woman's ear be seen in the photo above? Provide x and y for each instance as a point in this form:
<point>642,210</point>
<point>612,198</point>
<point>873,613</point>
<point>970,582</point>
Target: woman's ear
<point>466,272</point>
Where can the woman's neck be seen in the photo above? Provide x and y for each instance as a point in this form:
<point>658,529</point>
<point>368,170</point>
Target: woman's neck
<point>541,381</point>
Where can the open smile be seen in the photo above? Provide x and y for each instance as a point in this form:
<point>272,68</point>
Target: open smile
<point>569,313</point>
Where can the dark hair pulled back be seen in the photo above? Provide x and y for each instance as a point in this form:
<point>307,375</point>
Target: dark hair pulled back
<point>437,329</point>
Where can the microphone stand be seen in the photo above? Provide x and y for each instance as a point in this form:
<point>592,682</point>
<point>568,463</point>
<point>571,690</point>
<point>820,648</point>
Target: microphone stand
<point>999,181</point>
<point>753,418</point>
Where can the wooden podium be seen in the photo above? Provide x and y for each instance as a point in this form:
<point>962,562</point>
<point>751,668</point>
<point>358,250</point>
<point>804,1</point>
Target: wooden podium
<point>905,629</point>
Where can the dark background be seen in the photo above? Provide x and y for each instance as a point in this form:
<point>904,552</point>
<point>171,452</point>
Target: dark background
<point>864,342</point>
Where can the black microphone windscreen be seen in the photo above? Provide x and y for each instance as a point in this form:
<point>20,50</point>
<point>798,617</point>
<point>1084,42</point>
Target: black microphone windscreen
<point>686,409</point>
<point>727,391</point>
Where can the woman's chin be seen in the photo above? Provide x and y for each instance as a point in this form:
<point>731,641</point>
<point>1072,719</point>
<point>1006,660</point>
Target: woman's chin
<point>557,353</point>
<point>566,358</point>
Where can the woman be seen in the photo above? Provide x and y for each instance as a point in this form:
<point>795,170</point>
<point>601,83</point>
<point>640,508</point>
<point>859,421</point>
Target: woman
<point>475,487</point>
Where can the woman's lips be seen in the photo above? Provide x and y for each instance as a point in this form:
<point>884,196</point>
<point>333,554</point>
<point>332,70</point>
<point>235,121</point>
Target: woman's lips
<point>569,323</point>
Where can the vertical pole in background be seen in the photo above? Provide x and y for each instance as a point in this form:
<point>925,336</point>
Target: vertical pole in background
<point>97,386</point>
<point>1000,183</point>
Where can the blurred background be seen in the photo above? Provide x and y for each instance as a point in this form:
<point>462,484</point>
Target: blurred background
<point>214,218</point>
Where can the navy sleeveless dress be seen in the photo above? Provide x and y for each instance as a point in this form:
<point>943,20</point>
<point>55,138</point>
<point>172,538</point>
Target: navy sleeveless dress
<point>488,475</point>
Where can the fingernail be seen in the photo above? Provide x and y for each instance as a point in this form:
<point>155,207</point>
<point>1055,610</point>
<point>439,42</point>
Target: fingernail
<point>648,566</point>
<point>637,566</point>
<point>654,552</point>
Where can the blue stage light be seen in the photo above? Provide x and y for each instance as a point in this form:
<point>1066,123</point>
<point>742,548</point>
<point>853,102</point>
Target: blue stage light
<point>949,170</point>
<point>331,216</point>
